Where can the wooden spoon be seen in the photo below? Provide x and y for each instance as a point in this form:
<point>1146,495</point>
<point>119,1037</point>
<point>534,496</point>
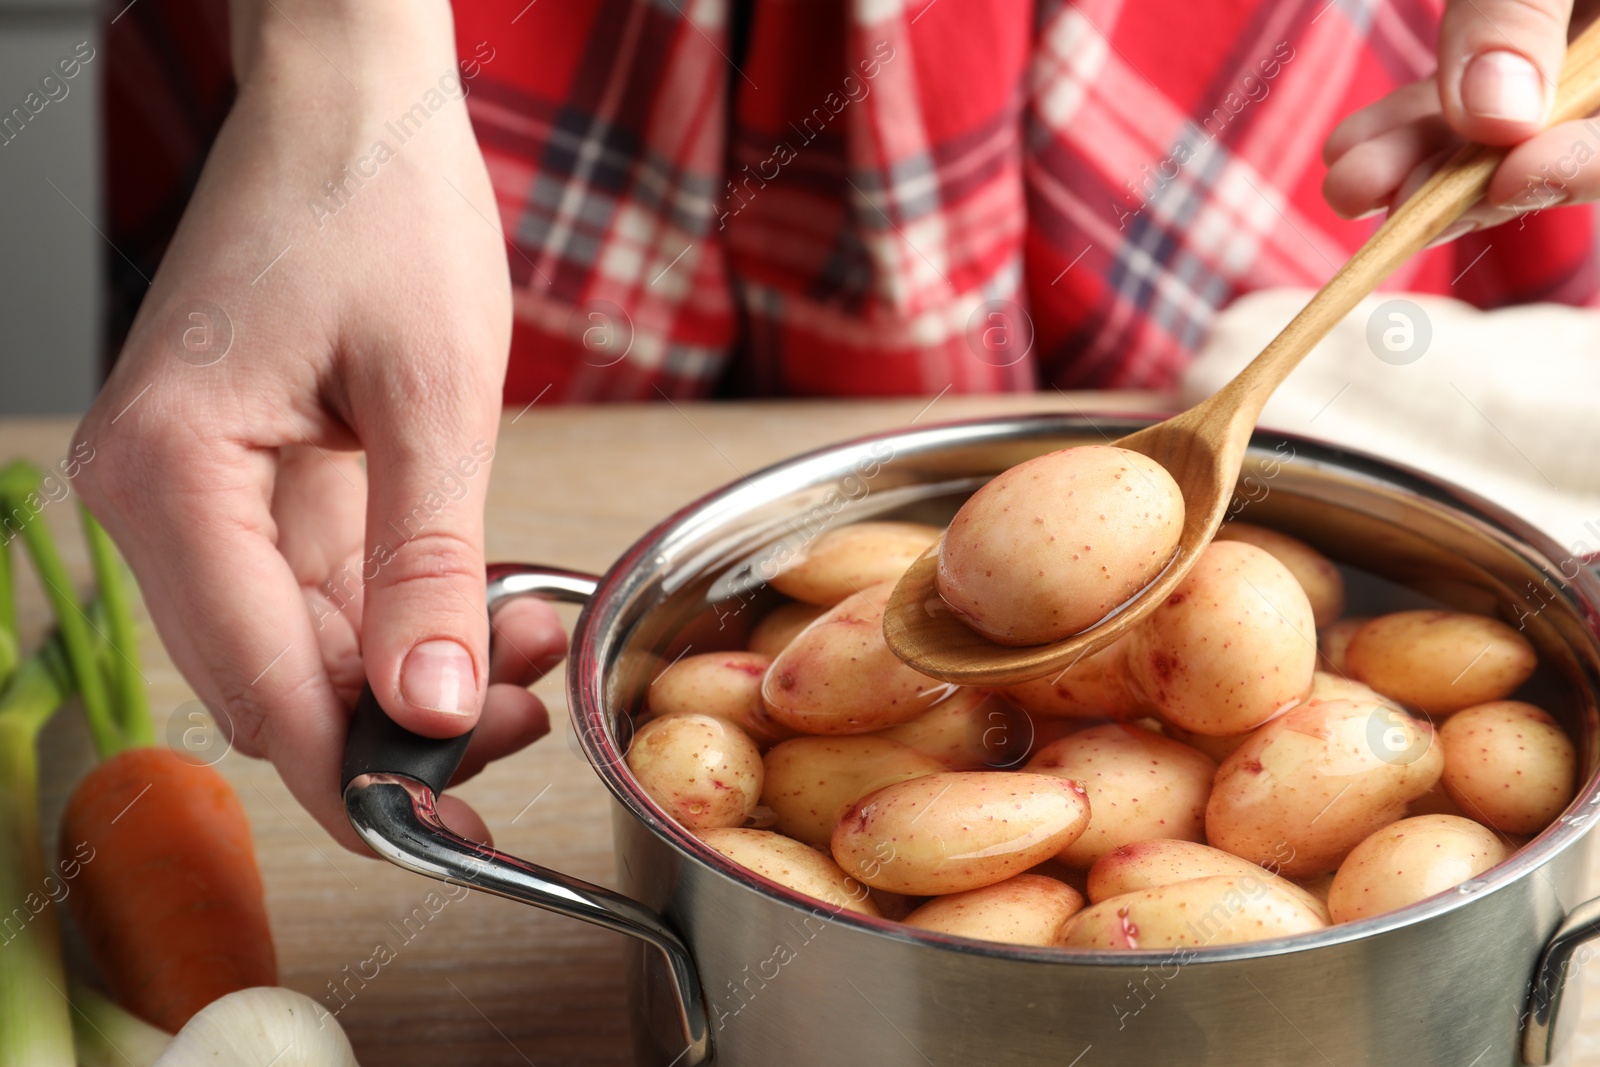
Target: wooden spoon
<point>1204,447</point>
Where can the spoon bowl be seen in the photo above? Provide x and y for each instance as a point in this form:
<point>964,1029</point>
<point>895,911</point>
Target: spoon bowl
<point>1202,454</point>
<point>1202,448</point>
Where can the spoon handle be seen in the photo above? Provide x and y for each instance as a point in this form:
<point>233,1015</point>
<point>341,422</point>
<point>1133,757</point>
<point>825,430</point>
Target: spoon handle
<point>1443,199</point>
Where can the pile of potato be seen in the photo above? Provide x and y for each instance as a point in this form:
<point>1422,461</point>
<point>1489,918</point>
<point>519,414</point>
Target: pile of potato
<point>1210,778</point>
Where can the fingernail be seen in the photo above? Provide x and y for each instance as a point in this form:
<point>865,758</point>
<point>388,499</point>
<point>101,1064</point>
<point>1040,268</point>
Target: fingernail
<point>1503,85</point>
<point>1451,232</point>
<point>1379,210</point>
<point>1538,200</point>
<point>438,675</point>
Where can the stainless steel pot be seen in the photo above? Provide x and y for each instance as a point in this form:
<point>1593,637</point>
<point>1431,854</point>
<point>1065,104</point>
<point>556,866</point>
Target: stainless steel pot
<point>733,969</point>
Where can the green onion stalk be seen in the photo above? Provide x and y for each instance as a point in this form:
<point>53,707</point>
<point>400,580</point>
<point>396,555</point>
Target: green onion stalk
<point>107,679</point>
<point>35,1022</point>
<point>108,1036</point>
<point>36,1019</point>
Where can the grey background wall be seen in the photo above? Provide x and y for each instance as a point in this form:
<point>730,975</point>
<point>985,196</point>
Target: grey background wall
<point>50,252</point>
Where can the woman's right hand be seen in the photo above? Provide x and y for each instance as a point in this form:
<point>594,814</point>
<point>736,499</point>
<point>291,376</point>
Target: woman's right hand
<point>1499,64</point>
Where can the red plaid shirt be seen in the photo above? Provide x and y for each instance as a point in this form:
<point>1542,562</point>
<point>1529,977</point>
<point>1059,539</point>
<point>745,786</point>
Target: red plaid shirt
<point>877,197</point>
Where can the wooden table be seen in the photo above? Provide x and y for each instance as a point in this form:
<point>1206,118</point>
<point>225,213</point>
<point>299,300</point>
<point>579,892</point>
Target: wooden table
<point>485,982</point>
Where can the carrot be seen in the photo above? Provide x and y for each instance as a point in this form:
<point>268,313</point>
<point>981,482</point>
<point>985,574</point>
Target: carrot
<point>170,901</point>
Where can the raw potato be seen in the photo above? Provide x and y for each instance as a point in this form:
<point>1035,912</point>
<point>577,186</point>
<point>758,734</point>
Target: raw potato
<point>1318,887</point>
<point>1307,788</point>
<point>704,771</point>
<point>844,561</point>
<point>1233,645</point>
<point>1219,910</point>
<point>1094,688</point>
<point>950,832</point>
<point>1332,642</point>
<point>1053,545</point>
<point>1027,909</point>
<point>1408,861</point>
<point>1049,731</point>
<point>1440,661</point>
<point>1325,686</point>
<point>839,677</point>
<point>894,906</point>
<point>811,780</point>
<point>969,730</point>
<point>1321,580</point>
<point>781,625</point>
<point>1436,801</point>
<point>789,863</point>
<point>724,684</point>
<point>1218,748</point>
<point>1142,787</point>
<point>1148,864</point>
<point>1509,765</point>
<point>1073,876</point>
<point>994,814</point>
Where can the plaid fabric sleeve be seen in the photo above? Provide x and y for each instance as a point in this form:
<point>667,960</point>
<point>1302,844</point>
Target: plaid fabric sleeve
<point>878,197</point>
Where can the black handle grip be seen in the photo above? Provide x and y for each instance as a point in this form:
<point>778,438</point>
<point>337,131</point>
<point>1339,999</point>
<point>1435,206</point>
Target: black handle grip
<point>379,745</point>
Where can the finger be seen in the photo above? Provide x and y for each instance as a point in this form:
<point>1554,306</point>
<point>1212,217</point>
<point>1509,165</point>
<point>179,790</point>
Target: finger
<point>319,503</point>
<point>319,506</point>
<point>1372,175</point>
<point>1559,165</point>
<point>1499,62</point>
<point>1405,105</point>
<point>429,430</point>
<point>336,623</point>
<point>458,815</point>
<point>528,642</point>
<point>1549,170</point>
<point>512,719</point>
<point>1474,218</point>
<point>1425,168</point>
<point>1477,217</point>
<point>204,553</point>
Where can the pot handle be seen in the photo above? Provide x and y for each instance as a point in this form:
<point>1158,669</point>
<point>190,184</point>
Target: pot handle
<point>1582,925</point>
<point>392,779</point>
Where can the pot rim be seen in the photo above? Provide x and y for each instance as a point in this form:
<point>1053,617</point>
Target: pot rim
<point>585,691</point>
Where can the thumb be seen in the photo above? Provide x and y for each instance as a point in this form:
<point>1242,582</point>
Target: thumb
<point>1499,61</point>
<point>425,629</point>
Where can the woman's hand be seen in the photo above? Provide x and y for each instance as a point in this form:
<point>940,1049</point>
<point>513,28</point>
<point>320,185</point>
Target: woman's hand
<point>337,284</point>
<point>1499,62</point>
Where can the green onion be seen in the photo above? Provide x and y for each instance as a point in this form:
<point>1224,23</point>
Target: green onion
<point>130,704</point>
<point>19,482</point>
<point>35,1025</point>
<point>8,618</point>
<point>36,1020</point>
<point>108,1036</point>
